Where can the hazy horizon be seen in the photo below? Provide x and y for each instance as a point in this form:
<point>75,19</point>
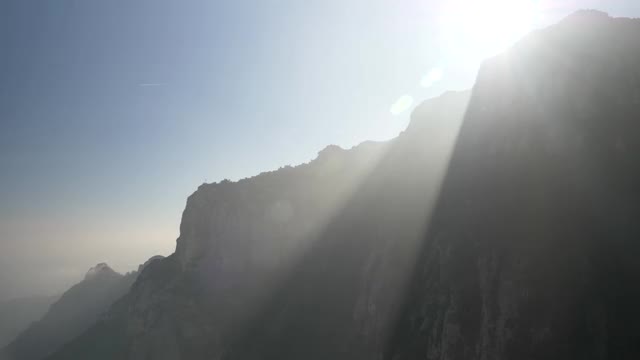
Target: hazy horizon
<point>112,113</point>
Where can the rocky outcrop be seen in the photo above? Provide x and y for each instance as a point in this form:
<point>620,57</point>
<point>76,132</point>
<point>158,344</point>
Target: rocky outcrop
<point>533,248</point>
<point>148,262</point>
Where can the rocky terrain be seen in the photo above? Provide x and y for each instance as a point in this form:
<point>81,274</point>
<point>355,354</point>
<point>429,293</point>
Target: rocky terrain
<point>499,225</point>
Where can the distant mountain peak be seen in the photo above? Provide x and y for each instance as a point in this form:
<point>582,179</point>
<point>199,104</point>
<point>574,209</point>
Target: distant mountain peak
<point>100,269</point>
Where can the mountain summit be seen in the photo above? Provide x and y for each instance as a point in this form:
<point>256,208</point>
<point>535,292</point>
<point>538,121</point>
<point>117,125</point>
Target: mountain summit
<point>101,270</point>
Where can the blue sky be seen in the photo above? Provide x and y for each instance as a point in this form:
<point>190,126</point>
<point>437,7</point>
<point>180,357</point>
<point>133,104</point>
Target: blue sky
<point>113,112</point>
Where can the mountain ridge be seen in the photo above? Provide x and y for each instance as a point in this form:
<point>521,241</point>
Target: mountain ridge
<point>241,242</point>
<point>486,230</point>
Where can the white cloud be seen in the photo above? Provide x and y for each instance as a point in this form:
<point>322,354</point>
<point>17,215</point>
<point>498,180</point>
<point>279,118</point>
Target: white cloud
<point>403,103</point>
<point>436,74</point>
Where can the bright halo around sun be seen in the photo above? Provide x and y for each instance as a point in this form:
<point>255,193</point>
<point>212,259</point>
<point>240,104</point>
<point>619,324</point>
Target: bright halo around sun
<point>488,27</point>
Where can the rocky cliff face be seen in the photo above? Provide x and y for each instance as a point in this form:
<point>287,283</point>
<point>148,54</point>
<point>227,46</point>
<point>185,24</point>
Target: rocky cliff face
<point>533,249</point>
<point>316,252</point>
<point>78,309</point>
<point>529,253</point>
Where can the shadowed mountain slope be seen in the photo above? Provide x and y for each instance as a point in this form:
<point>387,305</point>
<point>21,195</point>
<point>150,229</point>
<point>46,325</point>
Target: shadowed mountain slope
<point>533,249</point>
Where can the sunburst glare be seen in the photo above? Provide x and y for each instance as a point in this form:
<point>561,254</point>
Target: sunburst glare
<point>490,26</point>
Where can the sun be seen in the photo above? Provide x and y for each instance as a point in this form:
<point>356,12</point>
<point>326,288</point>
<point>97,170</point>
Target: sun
<point>487,27</point>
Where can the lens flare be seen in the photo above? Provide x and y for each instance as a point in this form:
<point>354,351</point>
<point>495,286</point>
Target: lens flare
<point>435,75</point>
<point>401,105</point>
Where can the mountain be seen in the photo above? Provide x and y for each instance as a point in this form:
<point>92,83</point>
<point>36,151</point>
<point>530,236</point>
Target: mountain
<point>17,314</point>
<point>499,225</point>
<point>329,241</point>
<point>533,249</point>
<point>77,309</point>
